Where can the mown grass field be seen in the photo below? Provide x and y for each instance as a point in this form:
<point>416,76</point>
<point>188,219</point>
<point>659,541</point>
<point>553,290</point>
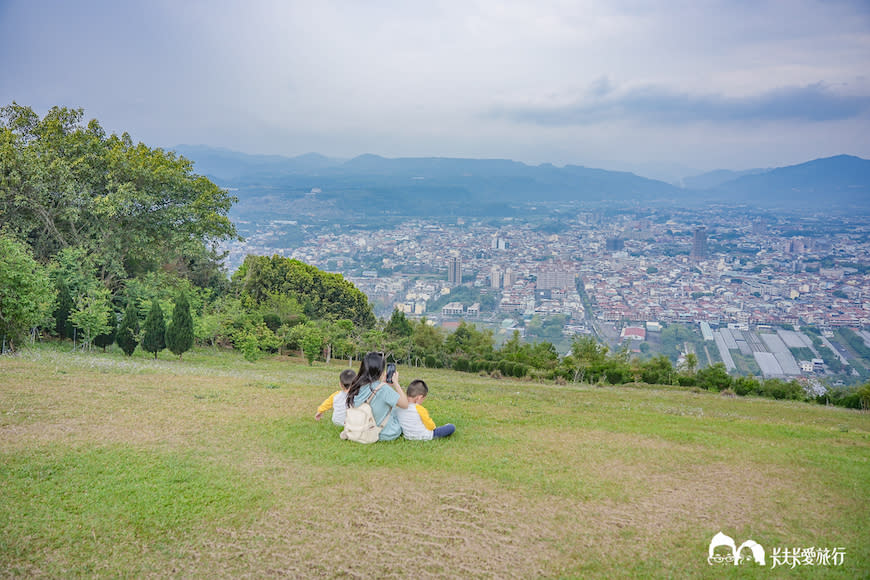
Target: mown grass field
<point>214,467</point>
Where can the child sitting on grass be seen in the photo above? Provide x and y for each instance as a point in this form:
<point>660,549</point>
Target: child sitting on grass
<point>337,400</point>
<point>415,420</point>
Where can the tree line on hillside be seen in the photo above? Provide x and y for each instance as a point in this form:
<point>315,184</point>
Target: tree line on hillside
<point>101,238</point>
<point>95,229</point>
<point>469,349</point>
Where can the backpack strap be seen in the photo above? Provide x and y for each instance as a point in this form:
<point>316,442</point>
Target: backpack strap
<point>372,396</point>
<point>390,412</point>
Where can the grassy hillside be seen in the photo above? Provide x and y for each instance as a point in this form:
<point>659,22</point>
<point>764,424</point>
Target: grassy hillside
<point>214,466</point>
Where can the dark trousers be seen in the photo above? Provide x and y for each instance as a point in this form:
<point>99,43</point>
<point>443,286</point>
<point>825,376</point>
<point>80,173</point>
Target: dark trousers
<point>443,431</point>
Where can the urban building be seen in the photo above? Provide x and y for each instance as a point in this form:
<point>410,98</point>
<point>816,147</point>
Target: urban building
<point>508,279</point>
<point>614,244</point>
<point>699,244</point>
<point>453,309</point>
<point>454,272</point>
<point>549,279</point>
<point>495,277</point>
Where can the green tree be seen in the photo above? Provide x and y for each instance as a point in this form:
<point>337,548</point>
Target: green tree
<point>128,331</point>
<point>714,378</point>
<point>587,360</point>
<point>398,325</point>
<point>63,327</point>
<point>154,337</point>
<point>312,343</point>
<point>26,293</point>
<point>657,371</point>
<point>340,339</point>
<point>428,341</point>
<point>105,339</point>
<point>134,208</point>
<point>468,342</point>
<point>91,314</point>
<point>179,333</point>
<point>322,294</point>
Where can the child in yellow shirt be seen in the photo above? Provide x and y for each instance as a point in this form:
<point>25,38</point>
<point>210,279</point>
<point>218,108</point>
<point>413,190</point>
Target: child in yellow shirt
<point>337,401</point>
<point>415,420</point>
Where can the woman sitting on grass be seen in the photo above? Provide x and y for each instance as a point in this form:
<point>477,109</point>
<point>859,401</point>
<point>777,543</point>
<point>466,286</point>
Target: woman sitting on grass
<point>387,398</point>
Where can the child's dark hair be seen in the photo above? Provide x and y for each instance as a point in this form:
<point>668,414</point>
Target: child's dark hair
<point>417,387</point>
<point>346,378</point>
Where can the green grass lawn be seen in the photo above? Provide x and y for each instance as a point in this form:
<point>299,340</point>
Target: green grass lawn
<point>214,466</point>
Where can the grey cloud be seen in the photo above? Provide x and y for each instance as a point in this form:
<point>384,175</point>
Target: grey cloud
<point>654,105</point>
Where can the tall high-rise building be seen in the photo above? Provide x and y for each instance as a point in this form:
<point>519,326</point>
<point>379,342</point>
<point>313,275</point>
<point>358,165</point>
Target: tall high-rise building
<point>454,272</point>
<point>498,243</point>
<point>495,277</point>
<point>509,278</point>
<point>699,244</point>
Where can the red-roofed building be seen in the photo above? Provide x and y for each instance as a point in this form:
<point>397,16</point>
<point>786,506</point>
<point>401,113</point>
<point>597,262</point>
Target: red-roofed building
<point>633,333</point>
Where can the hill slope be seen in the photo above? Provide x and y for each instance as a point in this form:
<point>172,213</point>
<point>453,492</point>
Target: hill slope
<point>843,179</point>
<point>113,467</point>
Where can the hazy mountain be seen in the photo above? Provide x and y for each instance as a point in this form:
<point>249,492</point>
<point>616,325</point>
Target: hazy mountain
<point>227,165</point>
<point>415,186</point>
<point>716,178</point>
<point>843,179</point>
<point>439,185</point>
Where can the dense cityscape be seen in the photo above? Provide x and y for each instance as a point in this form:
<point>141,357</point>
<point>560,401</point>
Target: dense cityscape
<point>618,273</point>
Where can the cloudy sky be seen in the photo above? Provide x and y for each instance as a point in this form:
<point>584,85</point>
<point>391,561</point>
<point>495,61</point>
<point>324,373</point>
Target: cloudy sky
<point>659,87</point>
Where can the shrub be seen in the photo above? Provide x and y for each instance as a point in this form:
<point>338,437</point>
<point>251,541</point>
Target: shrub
<point>714,378</point>
<point>617,375</point>
<point>506,367</point>
<point>520,370</point>
<point>779,389</point>
<point>686,380</point>
<point>461,364</point>
<point>746,386</point>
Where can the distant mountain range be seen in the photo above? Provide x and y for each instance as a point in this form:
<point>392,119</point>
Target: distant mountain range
<point>435,185</point>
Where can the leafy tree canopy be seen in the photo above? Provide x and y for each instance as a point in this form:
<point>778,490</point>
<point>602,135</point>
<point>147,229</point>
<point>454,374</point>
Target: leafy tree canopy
<point>131,207</point>
<point>26,293</point>
<point>322,294</point>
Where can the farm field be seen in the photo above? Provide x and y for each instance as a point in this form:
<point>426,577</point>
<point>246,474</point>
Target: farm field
<point>214,467</point>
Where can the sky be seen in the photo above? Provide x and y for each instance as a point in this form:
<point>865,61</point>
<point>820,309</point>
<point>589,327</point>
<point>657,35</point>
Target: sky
<point>660,87</point>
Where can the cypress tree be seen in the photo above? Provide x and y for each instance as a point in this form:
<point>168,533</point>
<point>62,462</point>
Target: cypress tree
<point>108,337</point>
<point>179,333</point>
<point>154,339</point>
<point>126,335</point>
<point>63,326</point>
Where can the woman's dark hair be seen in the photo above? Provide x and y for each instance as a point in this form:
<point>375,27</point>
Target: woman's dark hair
<point>371,367</point>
